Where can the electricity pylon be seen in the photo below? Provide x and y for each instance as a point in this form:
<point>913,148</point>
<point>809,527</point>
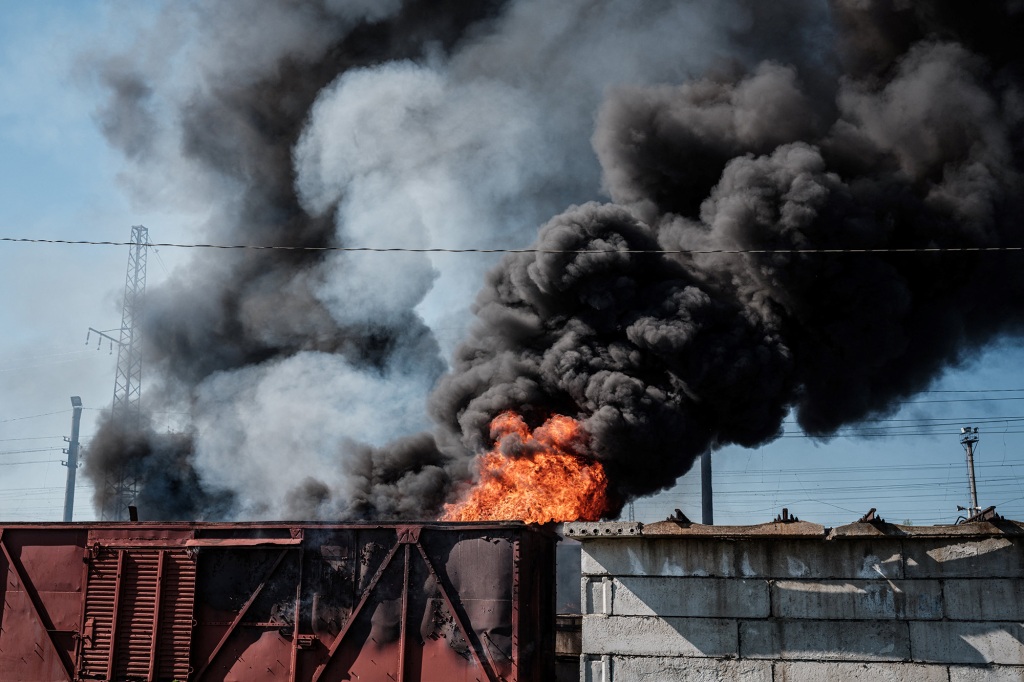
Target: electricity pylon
<point>126,413</point>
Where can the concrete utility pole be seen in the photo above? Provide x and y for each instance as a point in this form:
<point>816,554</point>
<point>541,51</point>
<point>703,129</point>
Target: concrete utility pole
<point>707,510</point>
<point>72,463</point>
<point>969,436</point>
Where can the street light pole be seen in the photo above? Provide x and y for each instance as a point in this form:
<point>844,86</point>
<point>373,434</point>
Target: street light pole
<point>969,436</point>
<point>72,463</point>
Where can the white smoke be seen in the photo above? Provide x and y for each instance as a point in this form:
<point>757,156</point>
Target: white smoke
<point>262,430</point>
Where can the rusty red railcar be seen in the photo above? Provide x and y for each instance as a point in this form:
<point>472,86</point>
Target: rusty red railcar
<point>212,602</point>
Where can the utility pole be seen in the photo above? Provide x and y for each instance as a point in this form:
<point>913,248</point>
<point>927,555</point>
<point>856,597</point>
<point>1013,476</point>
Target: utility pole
<point>72,463</point>
<point>707,510</point>
<point>126,412</point>
<point>969,437</point>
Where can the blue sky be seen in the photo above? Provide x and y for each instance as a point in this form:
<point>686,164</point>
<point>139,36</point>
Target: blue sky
<point>916,471</point>
<point>59,180</point>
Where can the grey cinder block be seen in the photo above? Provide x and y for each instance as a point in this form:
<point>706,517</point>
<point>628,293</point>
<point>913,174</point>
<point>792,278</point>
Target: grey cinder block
<point>857,599</point>
<point>641,636</point>
<point>969,643</point>
<point>825,640</point>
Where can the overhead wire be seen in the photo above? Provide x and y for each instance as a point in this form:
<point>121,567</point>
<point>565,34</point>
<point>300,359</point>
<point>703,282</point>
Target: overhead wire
<point>48,356</point>
<point>403,249</point>
<point>875,434</point>
<point>33,416</point>
<point>29,461</point>
<point>978,390</point>
<point>23,452</point>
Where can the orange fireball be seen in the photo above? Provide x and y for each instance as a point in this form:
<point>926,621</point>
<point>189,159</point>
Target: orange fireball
<point>546,482</point>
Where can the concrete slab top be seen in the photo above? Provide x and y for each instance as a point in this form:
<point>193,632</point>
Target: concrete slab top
<point>586,530</point>
<point>961,530</point>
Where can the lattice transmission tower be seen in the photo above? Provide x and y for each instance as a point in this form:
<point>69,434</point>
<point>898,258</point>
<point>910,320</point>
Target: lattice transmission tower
<point>126,412</point>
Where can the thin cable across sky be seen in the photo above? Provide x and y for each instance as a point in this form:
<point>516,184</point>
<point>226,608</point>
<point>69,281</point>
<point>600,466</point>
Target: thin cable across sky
<point>404,249</point>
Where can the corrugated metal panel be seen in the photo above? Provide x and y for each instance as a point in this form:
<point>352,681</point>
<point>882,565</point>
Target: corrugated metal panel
<point>133,648</point>
<point>100,596</point>
<point>140,600</point>
<point>177,601</point>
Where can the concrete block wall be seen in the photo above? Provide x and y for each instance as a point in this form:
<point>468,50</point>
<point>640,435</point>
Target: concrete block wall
<point>797,602</point>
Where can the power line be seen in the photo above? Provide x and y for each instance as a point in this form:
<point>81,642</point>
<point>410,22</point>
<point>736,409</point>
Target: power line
<point>959,400</point>
<point>980,390</point>
<point>42,490</point>
<point>949,421</point>
<point>34,416</point>
<point>877,434</point>
<point>53,363</point>
<point>401,249</point>
<point>48,356</point>
<point>22,452</point>
<point>878,467</point>
<point>29,461</point>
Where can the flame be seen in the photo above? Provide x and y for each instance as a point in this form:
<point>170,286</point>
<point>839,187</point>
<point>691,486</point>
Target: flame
<point>546,482</point>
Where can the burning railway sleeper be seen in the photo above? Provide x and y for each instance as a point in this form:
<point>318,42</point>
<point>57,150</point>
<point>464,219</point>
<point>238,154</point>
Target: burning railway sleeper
<point>312,603</point>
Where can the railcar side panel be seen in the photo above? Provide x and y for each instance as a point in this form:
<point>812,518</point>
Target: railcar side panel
<point>254,602</point>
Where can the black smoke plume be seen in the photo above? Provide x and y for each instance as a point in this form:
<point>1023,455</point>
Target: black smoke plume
<point>162,463</point>
<point>812,172</point>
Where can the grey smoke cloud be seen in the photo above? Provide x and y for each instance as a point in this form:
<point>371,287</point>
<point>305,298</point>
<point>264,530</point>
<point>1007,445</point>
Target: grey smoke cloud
<point>667,144</point>
<point>731,125</point>
<point>321,399</point>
